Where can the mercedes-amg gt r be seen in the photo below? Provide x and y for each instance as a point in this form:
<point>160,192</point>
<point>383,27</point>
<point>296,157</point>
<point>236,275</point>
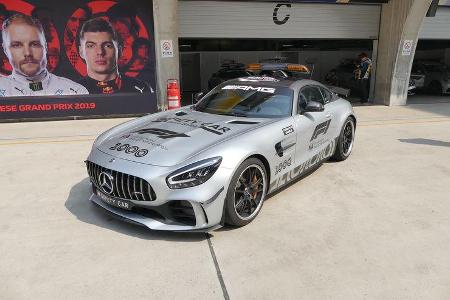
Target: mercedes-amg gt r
<point>213,163</point>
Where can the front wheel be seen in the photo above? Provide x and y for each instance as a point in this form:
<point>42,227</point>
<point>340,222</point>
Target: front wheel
<point>246,193</point>
<point>345,141</point>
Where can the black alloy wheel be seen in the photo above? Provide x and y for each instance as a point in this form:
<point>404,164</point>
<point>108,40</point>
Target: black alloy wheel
<point>246,193</point>
<point>345,141</point>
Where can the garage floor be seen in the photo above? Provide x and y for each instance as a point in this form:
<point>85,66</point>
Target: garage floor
<point>373,227</point>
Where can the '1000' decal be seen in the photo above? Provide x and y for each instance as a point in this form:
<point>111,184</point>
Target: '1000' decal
<point>303,167</point>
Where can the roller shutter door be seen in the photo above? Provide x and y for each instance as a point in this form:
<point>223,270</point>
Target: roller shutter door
<point>220,19</point>
<point>438,27</point>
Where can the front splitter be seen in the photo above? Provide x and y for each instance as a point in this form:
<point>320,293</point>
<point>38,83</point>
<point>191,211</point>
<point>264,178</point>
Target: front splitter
<point>147,222</point>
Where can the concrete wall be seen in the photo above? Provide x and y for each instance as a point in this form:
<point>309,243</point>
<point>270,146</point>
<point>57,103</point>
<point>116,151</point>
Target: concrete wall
<point>166,28</point>
<point>400,20</point>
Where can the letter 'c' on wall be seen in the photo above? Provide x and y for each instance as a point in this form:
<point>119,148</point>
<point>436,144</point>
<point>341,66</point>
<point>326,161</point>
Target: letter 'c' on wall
<point>276,20</point>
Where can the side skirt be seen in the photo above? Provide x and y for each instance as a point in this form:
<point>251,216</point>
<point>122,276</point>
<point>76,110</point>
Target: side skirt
<point>303,168</point>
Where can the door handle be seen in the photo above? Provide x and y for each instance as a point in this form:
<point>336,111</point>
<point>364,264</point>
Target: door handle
<point>328,116</point>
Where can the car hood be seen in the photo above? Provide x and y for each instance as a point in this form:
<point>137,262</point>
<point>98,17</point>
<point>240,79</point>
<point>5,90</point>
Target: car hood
<point>170,138</point>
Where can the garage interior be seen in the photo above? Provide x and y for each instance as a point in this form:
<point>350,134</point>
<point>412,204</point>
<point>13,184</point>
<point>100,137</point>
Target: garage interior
<point>321,36</point>
<point>431,66</point>
<point>201,58</point>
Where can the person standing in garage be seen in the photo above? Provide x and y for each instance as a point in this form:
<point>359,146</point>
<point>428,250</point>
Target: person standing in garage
<point>362,73</point>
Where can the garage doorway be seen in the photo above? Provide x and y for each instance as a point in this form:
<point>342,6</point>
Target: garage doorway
<point>330,61</point>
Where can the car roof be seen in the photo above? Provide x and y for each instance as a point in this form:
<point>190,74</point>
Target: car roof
<point>273,82</point>
<point>262,80</point>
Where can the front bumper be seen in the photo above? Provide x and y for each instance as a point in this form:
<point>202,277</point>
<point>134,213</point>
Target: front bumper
<point>151,223</point>
<point>197,208</point>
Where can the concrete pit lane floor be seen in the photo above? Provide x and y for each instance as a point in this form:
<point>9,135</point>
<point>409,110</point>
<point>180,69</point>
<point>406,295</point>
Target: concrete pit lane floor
<point>373,227</point>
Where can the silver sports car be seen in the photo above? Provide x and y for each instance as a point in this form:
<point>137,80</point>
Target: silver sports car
<point>214,163</point>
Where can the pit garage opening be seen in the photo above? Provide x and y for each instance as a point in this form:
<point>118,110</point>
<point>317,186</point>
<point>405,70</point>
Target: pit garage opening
<point>430,71</point>
<point>206,63</point>
<point>214,35</point>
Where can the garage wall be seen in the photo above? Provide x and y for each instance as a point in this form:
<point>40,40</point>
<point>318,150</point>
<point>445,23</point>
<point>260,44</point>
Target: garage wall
<point>437,27</point>
<point>220,19</point>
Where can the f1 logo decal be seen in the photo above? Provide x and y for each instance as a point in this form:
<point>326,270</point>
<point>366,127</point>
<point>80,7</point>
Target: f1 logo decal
<point>322,128</point>
<point>161,133</point>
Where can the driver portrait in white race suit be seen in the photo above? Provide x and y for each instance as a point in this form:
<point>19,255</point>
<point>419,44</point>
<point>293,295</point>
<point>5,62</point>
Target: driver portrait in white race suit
<point>26,48</point>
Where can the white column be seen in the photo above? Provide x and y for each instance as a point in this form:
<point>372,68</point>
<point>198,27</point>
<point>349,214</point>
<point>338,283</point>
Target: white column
<point>165,14</point>
<point>401,21</point>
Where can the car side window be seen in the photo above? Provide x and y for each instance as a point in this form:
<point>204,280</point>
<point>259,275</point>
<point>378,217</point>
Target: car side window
<point>302,101</point>
<point>306,94</point>
<point>327,95</point>
<point>312,93</point>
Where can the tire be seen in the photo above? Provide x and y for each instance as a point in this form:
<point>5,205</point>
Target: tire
<point>345,141</point>
<point>246,193</point>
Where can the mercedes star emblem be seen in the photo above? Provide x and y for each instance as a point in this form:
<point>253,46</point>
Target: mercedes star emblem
<point>106,182</point>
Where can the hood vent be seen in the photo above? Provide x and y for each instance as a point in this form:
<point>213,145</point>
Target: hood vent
<point>243,122</point>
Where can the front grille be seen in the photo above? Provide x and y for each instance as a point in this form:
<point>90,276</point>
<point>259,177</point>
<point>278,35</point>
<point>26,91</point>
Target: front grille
<point>124,186</point>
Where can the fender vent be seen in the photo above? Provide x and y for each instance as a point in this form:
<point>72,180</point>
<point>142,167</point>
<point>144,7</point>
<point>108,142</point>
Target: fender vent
<point>182,211</point>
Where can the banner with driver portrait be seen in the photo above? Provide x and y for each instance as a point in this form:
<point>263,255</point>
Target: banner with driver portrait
<point>76,58</point>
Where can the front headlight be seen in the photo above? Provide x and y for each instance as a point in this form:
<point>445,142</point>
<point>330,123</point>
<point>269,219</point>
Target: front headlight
<point>193,174</point>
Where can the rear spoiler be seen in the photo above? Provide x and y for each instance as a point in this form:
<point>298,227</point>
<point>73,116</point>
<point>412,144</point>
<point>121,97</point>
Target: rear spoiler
<point>338,90</point>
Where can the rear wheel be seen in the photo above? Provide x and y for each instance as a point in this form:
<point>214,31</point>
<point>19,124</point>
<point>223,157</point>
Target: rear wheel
<point>246,193</point>
<point>345,141</point>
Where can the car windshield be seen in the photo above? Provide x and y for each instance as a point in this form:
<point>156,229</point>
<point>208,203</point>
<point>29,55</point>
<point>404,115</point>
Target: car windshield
<point>253,101</point>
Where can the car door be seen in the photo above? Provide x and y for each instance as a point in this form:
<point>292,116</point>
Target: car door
<point>331,109</point>
<point>311,127</point>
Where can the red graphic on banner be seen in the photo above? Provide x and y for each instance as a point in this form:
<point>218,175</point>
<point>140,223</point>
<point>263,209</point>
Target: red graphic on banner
<point>44,15</point>
<point>134,37</point>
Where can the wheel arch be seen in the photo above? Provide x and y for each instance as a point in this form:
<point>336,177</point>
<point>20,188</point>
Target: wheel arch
<point>353,118</point>
<point>265,162</point>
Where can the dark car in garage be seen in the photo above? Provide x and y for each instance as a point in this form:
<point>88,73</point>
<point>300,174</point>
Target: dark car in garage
<point>227,71</point>
<point>432,77</point>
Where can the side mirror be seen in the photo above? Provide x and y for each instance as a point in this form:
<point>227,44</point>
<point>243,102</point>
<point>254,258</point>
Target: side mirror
<point>314,106</point>
<point>198,96</point>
